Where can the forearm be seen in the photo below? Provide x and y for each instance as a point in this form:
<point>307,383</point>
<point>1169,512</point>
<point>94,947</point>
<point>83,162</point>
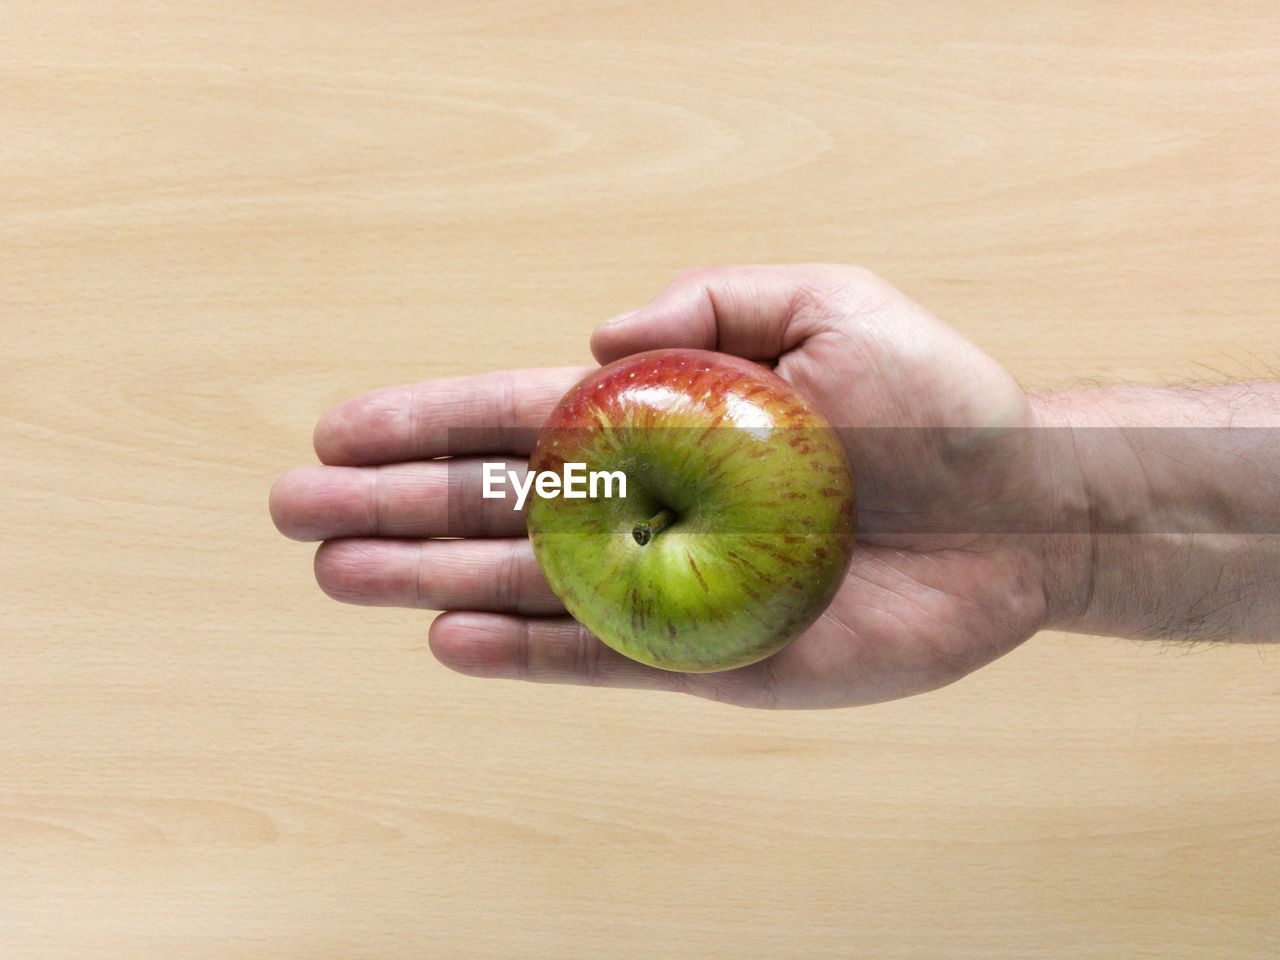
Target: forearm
<point>1175,494</point>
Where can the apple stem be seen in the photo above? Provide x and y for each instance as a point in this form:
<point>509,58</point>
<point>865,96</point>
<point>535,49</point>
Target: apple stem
<point>646,530</point>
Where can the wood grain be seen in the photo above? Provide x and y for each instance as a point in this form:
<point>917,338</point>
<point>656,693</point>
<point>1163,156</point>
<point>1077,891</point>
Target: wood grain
<point>218,219</point>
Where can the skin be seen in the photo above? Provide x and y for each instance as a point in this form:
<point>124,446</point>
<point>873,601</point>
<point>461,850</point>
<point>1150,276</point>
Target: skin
<point>969,540</point>
<point>729,542</point>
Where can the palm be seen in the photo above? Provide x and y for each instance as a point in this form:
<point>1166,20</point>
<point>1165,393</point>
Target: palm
<point>940,583</point>
<point>938,586</point>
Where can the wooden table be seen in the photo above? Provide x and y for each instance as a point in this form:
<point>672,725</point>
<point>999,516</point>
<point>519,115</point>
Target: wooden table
<point>218,219</point>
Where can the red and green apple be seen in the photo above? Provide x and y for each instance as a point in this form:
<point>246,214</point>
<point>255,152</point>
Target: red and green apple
<point>737,524</point>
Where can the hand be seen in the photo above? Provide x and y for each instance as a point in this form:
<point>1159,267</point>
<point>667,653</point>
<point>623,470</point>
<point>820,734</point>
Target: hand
<point>941,581</point>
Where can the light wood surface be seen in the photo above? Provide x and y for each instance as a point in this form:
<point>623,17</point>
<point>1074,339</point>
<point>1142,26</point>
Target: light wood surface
<point>217,219</point>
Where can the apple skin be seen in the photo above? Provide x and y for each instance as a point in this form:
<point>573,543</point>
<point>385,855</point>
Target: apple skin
<point>756,485</point>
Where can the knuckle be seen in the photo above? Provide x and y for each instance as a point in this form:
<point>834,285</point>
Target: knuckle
<point>587,659</point>
<point>508,579</point>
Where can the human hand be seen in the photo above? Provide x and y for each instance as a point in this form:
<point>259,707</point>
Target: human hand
<point>949,570</point>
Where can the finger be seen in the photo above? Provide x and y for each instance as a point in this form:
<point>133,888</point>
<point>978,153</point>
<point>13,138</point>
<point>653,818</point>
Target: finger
<point>436,498</point>
<point>757,312</point>
<point>498,575</point>
<point>489,412</point>
<point>553,650</point>
<point>561,650</point>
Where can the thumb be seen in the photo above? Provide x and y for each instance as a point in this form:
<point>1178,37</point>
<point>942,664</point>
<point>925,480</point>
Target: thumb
<point>757,312</point>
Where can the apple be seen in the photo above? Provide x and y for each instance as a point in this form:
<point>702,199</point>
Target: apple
<point>737,524</point>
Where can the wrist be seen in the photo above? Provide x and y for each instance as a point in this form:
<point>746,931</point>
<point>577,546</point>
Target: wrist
<point>1069,545</point>
<point>1166,517</point>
